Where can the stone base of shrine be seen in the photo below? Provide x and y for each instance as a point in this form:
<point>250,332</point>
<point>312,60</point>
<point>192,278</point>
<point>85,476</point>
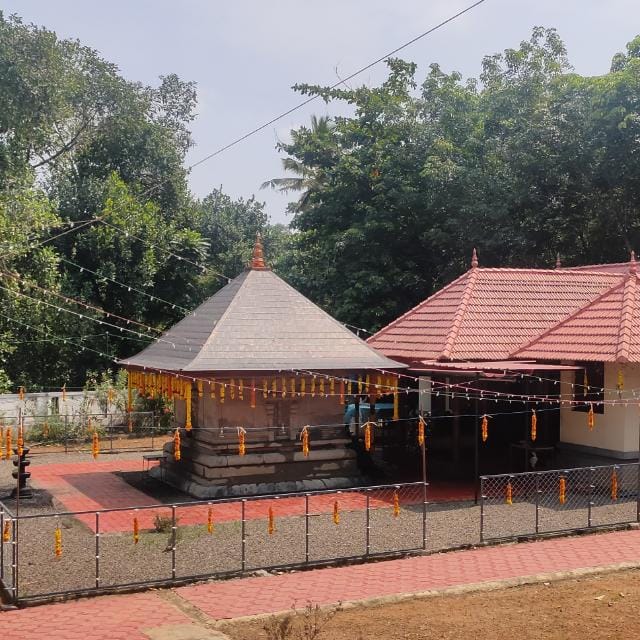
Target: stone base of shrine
<point>210,471</point>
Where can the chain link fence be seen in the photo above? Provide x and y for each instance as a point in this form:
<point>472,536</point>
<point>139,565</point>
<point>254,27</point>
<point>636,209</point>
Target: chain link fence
<point>55,553</point>
<point>525,504</point>
<point>118,431</point>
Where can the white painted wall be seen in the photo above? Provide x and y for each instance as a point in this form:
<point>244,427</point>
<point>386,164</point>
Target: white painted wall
<point>616,430</point>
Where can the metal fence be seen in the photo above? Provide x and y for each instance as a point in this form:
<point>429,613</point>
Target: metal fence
<point>526,504</point>
<point>118,431</point>
<point>53,554</point>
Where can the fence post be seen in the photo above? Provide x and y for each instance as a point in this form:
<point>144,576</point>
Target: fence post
<point>424,514</point>
<point>242,534</point>
<point>591,488</point>
<point>638,489</point>
<point>66,433</point>
<point>111,431</point>
<point>306,528</point>
<point>481,509</point>
<point>537,476</point>
<point>97,550</point>
<point>15,557</point>
<point>1,542</point>
<point>174,529</point>
<point>368,536</point>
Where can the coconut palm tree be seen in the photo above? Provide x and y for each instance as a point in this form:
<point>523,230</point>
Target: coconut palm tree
<point>307,179</point>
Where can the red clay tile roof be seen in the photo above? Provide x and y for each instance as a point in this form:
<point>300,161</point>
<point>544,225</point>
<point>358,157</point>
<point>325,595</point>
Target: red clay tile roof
<point>488,314</point>
<point>607,329</point>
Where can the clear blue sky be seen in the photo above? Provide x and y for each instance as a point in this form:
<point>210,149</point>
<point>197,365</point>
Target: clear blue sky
<point>246,54</point>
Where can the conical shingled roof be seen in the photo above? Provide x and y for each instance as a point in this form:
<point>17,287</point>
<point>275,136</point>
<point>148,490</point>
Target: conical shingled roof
<point>259,323</point>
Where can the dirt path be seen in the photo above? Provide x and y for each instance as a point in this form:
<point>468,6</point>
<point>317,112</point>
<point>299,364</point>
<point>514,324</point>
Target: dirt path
<point>596,607</point>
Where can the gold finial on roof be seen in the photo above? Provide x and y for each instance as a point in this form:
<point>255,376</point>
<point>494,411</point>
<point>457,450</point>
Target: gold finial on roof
<point>474,259</point>
<point>257,261</point>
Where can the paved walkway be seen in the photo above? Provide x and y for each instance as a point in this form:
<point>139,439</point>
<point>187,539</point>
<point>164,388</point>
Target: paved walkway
<point>190,612</point>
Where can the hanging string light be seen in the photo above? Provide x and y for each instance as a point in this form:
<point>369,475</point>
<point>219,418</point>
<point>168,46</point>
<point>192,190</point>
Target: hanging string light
<point>210,521</point>
<point>57,541</point>
<point>591,420</point>
<point>136,531</point>
<point>396,504</point>
<point>614,485</point>
<point>304,437</point>
<point>242,449</point>
<point>508,494</point>
<point>534,425</point>
<point>176,445</point>
<point>484,427</point>
<point>271,526</point>
<point>336,513</point>
<point>562,490</point>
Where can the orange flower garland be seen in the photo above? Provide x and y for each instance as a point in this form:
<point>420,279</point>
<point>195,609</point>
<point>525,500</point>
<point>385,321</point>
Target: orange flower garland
<point>57,544</point>
<point>7,445</point>
<point>614,485</point>
<point>421,425</point>
<point>6,534</point>
<point>367,436</point>
<point>396,504</point>
<point>508,496</point>
<point>210,521</point>
<point>534,425</point>
<point>242,448</point>
<point>95,447</point>
<point>591,421</point>
<point>304,436</point>
<point>271,527</point>
<point>176,446</point>
<point>20,441</point>
<point>485,428</point>
<point>562,490</point>
<point>136,531</point>
<point>336,513</point>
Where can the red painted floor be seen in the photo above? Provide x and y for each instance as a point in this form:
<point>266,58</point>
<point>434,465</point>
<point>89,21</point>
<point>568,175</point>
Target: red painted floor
<point>127,617</point>
<point>94,485</point>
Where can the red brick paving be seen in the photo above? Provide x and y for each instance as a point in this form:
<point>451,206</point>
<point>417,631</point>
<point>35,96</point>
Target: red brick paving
<point>85,486</point>
<point>112,617</point>
<point>125,617</point>
<point>251,596</point>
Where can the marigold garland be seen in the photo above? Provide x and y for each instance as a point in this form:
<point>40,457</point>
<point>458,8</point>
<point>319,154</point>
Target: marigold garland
<point>591,421</point>
<point>274,388</point>
<point>200,390</point>
<point>242,449</point>
<point>6,534</point>
<point>508,494</point>
<point>303,387</point>
<point>359,385</point>
<point>313,387</point>
<point>7,446</point>
<point>57,545</point>
<point>534,425</point>
<point>421,425</point>
<point>562,490</point>
<point>332,386</point>
<point>292,387</point>
<point>20,441</point>
<point>396,504</point>
<point>620,383</point>
<point>283,392</point>
<point>336,513</point>
<point>265,389</point>
<point>240,389</point>
<point>136,531</point>
<point>210,521</point>
<point>614,485</point>
<point>232,389</point>
<point>304,436</point>
<point>187,400</point>
<point>176,446</point>
<point>95,447</point>
<point>271,526</point>
<point>222,392</point>
<point>367,436</point>
<point>341,391</point>
<point>485,428</point>
<point>321,387</point>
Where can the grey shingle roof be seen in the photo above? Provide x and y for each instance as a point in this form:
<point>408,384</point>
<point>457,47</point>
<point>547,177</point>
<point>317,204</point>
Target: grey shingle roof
<point>259,323</point>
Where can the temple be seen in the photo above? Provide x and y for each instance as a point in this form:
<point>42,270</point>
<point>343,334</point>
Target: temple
<point>248,370</point>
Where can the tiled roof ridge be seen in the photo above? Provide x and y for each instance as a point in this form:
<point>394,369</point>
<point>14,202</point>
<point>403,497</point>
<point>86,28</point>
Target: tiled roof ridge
<point>626,320</point>
<point>433,296</point>
<point>566,320</point>
<point>245,275</point>
<point>555,272</point>
<point>459,315</point>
